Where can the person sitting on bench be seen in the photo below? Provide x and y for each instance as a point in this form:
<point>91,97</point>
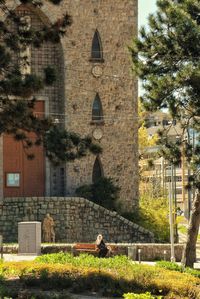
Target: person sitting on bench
<point>103,250</point>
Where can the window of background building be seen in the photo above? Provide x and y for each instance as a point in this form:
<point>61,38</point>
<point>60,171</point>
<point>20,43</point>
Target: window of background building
<point>12,179</point>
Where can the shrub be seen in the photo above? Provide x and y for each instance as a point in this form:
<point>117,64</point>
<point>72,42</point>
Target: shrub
<point>152,215</point>
<point>103,192</point>
<point>85,260</point>
<point>146,295</point>
<point>175,267</point>
<point>193,272</point>
<point>169,266</point>
<point>113,277</point>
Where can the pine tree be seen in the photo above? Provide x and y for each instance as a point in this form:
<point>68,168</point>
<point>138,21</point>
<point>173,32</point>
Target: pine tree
<point>18,89</point>
<point>166,58</point>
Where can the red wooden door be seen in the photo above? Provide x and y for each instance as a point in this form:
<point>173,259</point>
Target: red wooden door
<point>23,177</point>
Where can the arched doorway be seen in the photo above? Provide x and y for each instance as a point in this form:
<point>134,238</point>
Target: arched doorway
<point>22,177</point>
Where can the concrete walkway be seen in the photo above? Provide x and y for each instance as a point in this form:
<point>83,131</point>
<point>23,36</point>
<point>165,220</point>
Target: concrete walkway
<point>18,258</point>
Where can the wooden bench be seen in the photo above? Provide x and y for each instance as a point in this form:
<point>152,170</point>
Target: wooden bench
<point>85,247</point>
<point>90,248</point>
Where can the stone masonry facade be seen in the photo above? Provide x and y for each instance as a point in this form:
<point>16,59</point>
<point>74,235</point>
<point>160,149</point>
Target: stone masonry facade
<point>81,78</point>
<point>76,220</point>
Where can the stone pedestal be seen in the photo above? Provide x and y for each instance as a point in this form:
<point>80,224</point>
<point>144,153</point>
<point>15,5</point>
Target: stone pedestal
<point>29,238</point>
<point>132,252</point>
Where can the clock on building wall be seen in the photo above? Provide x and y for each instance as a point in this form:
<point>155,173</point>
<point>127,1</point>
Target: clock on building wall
<point>97,133</point>
<point>97,71</point>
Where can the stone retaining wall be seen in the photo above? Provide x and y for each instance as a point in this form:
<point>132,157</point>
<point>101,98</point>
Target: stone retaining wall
<point>76,220</point>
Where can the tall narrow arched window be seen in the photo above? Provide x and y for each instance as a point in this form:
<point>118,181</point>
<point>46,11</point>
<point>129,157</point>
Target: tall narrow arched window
<point>97,111</point>
<point>97,51</point>
<point>97,170</point>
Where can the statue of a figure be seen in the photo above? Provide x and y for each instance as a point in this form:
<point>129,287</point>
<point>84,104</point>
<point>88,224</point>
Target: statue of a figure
<point>48,229</point>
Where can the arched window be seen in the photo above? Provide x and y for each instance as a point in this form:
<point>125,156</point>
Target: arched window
<point>97,170</point>
<point>97,111</point>
<point>97,51</point>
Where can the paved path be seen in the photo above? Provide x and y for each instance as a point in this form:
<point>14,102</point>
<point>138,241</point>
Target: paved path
<point>18,258</point>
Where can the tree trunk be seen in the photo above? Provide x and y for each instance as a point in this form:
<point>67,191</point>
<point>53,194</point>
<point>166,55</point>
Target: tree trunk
<point>189,254</point>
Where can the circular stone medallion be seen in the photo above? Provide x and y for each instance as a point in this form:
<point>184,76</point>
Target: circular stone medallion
<point>97,71</point>
<point>97,134</point>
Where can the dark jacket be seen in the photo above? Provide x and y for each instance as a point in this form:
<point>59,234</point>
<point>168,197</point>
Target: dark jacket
<point>103,250</point>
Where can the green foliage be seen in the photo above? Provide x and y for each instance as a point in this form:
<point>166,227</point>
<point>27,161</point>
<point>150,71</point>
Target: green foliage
<point>85,260</point>
<point>152,215</point>
<point>110,276</point>
<point>146,295</point>
<point>103,192</point>
<point>85,191</point>
<point>175,267</point>
<point>50,75</point>
<point>17,85</point>
<point>4,57</point>
<point>66,146</point>
<point>166,58</point>
<point>191,271</point>
<point>170,266</point>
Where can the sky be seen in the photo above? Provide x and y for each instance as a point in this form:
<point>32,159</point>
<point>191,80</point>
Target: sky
<point>145,7</point>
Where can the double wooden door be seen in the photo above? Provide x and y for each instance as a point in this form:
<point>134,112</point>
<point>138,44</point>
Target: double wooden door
<point>23,177</point>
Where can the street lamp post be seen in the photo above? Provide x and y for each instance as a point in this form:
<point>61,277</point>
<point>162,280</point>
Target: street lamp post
<point>171,218</point>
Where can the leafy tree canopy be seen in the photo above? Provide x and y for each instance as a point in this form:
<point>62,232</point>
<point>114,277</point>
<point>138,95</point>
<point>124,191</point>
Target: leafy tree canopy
<point>166,58</point>
<point>144,139</point>
<point>18,89</point>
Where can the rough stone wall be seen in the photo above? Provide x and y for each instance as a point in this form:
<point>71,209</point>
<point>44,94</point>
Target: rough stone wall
<point>116,22</point>
<point>76,220</point>
<point>1,168</point>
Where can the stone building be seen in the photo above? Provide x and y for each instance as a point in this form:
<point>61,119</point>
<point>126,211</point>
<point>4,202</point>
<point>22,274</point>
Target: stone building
<point>95,94</point>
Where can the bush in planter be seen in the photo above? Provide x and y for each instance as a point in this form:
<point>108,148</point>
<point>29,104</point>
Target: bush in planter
<point>102,192</point>
<point>146,295</point>
<point>116,278</point>
<point>174,267</point>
